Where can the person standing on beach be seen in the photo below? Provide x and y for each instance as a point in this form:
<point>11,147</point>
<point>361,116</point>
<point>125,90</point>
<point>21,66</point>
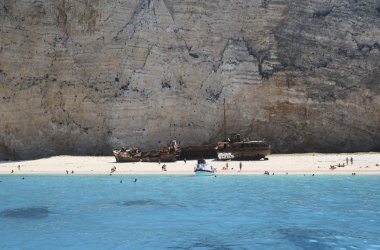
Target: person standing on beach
<point>352,161</point>
<point>240,166</point>
<point>346,160</point>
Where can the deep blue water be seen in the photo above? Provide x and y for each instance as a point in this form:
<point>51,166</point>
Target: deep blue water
<point>186,212</point>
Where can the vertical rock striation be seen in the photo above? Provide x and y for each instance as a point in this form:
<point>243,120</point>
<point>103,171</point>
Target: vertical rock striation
<point>83,77</point>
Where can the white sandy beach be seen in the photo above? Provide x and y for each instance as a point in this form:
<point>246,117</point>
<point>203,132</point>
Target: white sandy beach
<point>363,163</point>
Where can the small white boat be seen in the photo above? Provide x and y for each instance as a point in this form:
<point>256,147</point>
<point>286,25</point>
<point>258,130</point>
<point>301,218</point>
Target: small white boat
<point>203,168</point>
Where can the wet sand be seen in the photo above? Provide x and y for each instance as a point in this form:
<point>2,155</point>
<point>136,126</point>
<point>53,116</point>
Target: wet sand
<point>363,163</point>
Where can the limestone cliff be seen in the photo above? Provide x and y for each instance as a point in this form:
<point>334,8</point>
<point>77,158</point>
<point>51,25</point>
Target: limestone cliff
<point>86,76</point>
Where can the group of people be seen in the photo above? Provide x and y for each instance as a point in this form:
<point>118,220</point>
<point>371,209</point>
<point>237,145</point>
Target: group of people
<point>18,167</point>
<point>267,173</point>
<point>226,166</point>
<point>351,160</point>
<point>67,171</point>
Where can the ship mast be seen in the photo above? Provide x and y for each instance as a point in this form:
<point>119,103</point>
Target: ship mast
<point>224,119</point>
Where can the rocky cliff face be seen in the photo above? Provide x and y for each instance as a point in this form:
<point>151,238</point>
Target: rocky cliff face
<point>85,76</point>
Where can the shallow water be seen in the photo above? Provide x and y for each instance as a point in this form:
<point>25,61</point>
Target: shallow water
<point>187,212</point>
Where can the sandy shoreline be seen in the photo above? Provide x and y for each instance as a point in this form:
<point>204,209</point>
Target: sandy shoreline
<point>363,163</point>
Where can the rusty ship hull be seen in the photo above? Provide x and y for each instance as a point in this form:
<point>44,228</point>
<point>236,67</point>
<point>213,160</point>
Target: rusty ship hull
<point>165,154</point>
<point>250,150</point>
<point>144,157</point>
<point>125,156</point>
<point>227,150</point>
<point>151,156</point>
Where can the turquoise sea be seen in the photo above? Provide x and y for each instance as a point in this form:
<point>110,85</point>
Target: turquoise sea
<point>188,212</point>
